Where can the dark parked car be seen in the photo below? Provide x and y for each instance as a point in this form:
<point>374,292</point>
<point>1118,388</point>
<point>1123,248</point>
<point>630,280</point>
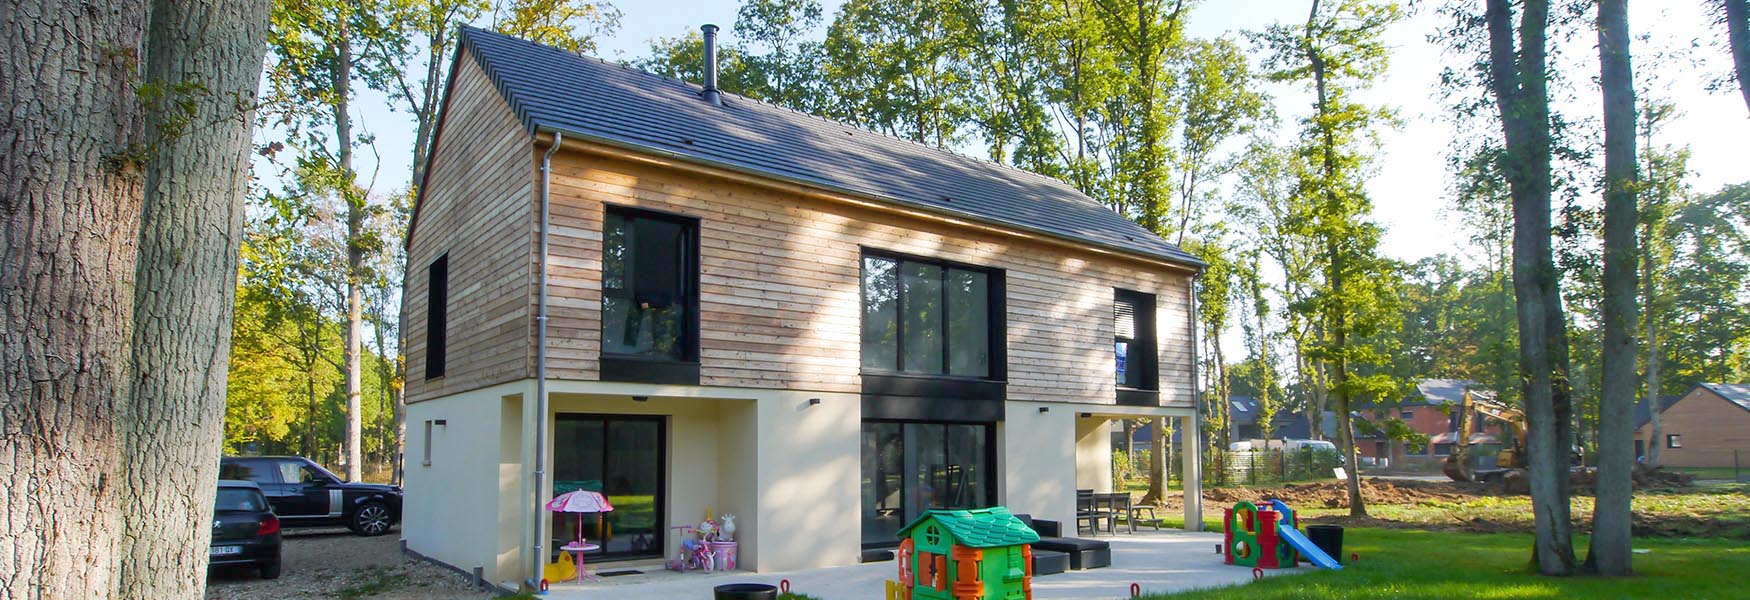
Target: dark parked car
<point>306,495</point>
<point>245,531</point>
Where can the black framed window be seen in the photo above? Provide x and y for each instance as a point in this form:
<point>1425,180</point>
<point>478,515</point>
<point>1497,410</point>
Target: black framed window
<point>437,316</point>
<point>1133,325</point>
<point>934,318</point>
<point>650,290</point>
<point>913,466</point>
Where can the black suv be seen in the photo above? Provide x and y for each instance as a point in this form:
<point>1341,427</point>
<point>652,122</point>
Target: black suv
<point>306,495</point>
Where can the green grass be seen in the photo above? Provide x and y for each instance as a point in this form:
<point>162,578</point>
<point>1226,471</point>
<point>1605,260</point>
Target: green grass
<point>1425,564</point>
<point>1711,473</point>
<point>375,579</point>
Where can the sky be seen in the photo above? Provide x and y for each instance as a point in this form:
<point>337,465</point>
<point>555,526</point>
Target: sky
<point>1409,188</point>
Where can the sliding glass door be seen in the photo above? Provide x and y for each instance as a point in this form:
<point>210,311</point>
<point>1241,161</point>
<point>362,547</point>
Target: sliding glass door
<point>621,457</point>
<point>910,467</point>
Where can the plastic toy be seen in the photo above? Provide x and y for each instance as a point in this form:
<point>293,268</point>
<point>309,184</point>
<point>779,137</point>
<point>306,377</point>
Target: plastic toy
<point>1266,537</point>
<point>979,554</point>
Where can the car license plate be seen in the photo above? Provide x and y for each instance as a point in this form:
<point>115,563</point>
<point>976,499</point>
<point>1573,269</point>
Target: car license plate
<point>226,550</point>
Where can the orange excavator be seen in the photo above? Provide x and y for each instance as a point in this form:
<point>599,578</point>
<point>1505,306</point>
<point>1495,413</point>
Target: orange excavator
<point>1511,458</point>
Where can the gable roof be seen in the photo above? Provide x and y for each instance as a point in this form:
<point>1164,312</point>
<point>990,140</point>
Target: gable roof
<point>1642,413</point>
<point>551,90</point>
<point>980,528</point>
<point>1736,393</point>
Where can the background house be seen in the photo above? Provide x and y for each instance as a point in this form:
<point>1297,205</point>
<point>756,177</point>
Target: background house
<point>1707,427</point>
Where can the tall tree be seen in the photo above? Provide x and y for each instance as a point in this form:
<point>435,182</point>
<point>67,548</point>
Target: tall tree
<point>1735,16</point>
<point>894,66</point>
<point>1142,35</point>
<point>116,315</point>
<point>787,67</point>
<point>1335,52</point>
<point>1519,78</point>
<point>1610,552</point>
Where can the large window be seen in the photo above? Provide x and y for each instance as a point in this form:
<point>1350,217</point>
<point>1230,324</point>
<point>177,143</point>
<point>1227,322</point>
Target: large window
<point>1134,339</point>
<point>650,291</point>
<point>929,318</point>
<point>437,316</point>
<point>912,467</point>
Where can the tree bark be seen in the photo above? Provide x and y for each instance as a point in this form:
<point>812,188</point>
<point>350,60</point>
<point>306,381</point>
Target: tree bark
<point>1738,38</point>
<point>186,281</point>
<point>1610,552</point>
<point>70,182</point>
<point>117,258</point>
<point>1519,80</point>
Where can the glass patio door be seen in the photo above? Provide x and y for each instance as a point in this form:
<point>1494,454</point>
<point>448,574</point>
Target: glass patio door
<point>621,457</point>
<point>910,467</point>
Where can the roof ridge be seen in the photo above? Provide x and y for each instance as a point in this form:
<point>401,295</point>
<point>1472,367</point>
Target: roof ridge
<point>728,94</point>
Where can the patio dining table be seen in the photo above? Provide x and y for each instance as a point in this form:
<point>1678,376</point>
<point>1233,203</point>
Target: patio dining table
<point>1120,503</point>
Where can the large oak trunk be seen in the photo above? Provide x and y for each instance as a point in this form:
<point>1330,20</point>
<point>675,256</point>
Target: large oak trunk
<point>117,265</point>
<point>1610,551</point>
<point>69,213</point>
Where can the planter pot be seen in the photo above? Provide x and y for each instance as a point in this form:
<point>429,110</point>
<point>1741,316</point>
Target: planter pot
<point>723,553</point>
<point>745,591</point>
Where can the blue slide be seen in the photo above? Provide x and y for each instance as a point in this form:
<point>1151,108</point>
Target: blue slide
<point>1306,547</point>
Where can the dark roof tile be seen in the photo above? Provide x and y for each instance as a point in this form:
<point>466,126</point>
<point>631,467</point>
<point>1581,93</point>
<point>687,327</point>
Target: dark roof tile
<point>552,90</point>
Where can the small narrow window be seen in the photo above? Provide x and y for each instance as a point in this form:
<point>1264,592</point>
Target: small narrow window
<point>1407,415</point>
<point>1673,441</point>
<point>427,460</point>
<point>1134,339</point>
<point>437,316</point>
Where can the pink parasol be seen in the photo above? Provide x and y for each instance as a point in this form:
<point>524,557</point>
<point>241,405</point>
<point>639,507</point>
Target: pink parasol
<point>580,501</point>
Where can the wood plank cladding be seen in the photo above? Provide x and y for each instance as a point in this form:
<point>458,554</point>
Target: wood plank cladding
<point>479,209</point>
<point>780,302</point>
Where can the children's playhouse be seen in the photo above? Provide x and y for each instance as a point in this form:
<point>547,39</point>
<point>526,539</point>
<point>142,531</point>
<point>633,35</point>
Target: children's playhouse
<point>981,554</point>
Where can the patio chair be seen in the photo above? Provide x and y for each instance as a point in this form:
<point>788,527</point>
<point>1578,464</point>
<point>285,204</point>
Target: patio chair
<point>1088,511</point>
<point>1120,503</point>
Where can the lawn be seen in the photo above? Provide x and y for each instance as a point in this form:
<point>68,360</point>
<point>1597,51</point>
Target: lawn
<point>1425,564</point>
<point>1712,473</point>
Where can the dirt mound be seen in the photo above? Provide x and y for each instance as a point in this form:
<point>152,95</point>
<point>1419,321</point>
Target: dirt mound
<point>1586,480</point>
<point>1335,494</point>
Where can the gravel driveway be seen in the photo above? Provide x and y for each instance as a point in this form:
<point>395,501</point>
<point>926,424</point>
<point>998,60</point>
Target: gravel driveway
<point>324,563</point>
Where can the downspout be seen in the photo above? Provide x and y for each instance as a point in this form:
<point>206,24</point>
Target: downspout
<point>541,365</point>
<point>1194,503</point>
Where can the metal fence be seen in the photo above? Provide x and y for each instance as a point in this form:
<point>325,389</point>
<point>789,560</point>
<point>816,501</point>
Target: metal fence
<point>1274,466</point>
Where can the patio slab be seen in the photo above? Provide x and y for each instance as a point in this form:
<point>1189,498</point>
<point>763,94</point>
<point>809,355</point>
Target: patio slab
<point>1166,561</point>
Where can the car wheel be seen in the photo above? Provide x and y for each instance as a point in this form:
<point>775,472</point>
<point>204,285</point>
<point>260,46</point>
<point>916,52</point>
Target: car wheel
<point>270,570</point>
<point>371,519</point>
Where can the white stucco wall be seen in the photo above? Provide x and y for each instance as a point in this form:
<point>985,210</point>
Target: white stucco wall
<point>450,510</point>
<point>810,463</point>
<point>1093,454</point>
<point>1037,460</point>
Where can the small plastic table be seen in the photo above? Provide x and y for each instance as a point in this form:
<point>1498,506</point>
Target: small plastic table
<point>577,549</point>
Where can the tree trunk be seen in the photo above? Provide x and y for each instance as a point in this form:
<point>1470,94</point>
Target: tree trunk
<point>355,257</point>
<point>70,186</point>
<point>190,228</point>
<point>1610,550</point>
<point>1161,438</point>
<point>1519,81</point>
<point>1655,407</point>
<point>120,208</point>
<point>1738,38</point>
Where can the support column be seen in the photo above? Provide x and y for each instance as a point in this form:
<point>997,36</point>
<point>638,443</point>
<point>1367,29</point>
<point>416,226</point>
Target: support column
<point>1192,452</point>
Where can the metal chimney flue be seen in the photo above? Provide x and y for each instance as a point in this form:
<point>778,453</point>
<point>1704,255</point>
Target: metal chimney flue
<point>711,94</point>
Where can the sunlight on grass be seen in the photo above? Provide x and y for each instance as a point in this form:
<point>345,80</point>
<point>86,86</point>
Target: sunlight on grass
<point>1426,564</point>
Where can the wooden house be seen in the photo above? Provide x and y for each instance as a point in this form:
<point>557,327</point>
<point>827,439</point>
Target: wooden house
<point>692,301</point>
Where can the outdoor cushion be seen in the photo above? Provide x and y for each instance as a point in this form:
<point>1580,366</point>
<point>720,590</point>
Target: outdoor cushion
<point>1083,554</point>
<point>1046,562</point>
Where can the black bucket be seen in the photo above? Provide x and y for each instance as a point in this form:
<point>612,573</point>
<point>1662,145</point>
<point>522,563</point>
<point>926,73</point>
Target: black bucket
<point>746,591</point>
<point>1328,538</point>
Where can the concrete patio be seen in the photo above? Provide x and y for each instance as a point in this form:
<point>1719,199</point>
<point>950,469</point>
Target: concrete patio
<point>1165,561</point>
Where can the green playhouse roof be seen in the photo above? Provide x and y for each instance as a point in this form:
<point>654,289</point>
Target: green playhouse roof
<point>980,528</point>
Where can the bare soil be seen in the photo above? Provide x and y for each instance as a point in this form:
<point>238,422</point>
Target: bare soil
<point>336,564</point>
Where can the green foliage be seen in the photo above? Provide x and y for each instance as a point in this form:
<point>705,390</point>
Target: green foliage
<point>571,25</point>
